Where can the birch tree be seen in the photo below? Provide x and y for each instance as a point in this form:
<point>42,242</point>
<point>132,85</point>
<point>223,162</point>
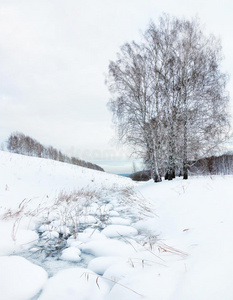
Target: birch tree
<point>132,106</point>
<point>168,95</point>
<point>202,91</point>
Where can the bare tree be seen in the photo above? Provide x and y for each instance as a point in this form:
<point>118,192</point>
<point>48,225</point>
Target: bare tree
<point>201,85</point>
<point>132,106</point>
<point>169,99</point>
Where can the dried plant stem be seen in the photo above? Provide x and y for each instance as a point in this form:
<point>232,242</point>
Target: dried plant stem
<point>87,274</point>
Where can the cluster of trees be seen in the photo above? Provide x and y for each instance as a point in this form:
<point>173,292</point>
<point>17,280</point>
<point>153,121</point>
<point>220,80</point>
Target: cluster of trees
<point>22,144</point>
<point>214,165</point>
<point>168,96</point>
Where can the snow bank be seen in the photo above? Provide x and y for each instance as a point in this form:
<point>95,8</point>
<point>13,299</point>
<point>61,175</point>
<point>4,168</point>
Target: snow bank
<point>196,217</point>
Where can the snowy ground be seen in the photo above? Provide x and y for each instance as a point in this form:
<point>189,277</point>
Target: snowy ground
<point>72,233</point>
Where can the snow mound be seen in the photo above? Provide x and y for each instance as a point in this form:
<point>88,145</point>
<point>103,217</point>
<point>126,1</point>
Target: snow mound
<point>87,220</point>
<point>118,230</point>
<point>71,254</point>
<point>100,264</point>
<point>87,236</point>
<point>73,284</point>
<point>119,221</point>
<point>108,247</point>
<point>50,235</point>
<point>117,272</point>
<point>20,279</point>
<point>13,241</point>
<point>114,213</point>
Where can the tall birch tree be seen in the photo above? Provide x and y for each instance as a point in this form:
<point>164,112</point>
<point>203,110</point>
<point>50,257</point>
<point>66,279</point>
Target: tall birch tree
<point>168,95</point>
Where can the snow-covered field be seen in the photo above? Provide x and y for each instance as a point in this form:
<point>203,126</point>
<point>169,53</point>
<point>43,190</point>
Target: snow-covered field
<point>70,233</point>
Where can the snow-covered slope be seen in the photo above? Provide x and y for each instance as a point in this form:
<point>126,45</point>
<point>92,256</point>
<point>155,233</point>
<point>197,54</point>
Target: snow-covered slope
<point>72,233</point>
<point>26,177</point>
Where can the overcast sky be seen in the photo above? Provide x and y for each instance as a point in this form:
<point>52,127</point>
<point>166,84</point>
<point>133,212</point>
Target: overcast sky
<point>54,54</point>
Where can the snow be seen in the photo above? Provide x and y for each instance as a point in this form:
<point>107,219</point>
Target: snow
<point>107,247</point>
<point>118,230</point>
<point>20,279</point>
<point>89,236</point>
<point>87,220</point>
<point>119,221</point>
<point>71,254</point>
<point>114,213</point>
<point>14,239</point>
<point>50,234</point>
<point>100,264</point>
<point>73,233</point>
<point>74,283</point>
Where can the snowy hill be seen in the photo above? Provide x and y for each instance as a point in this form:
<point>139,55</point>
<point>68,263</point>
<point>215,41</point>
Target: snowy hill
<point>72,233</point>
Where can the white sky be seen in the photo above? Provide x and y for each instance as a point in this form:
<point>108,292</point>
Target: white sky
<point>54,54</point>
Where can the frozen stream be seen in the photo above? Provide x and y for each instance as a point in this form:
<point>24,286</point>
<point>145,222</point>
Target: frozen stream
<point>47,252</point>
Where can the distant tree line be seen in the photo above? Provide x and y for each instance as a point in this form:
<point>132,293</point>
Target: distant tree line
<point>168,96</point>
<point>22,144</point>
<point>213,165</point>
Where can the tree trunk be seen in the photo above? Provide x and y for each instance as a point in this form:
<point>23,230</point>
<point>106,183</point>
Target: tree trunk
<point>156,174</point>
<point>171,148</point>
<point>185,153</point>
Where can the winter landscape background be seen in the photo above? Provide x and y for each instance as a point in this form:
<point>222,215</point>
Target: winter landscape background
<point>70,227</point>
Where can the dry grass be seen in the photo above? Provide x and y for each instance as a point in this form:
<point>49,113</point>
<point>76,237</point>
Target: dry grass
<point>77,196</point>
<point>23,210</point>
<point>64,213</point>
<point>162,247</point>
<point>87,276</point>
<point>12,213</point>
